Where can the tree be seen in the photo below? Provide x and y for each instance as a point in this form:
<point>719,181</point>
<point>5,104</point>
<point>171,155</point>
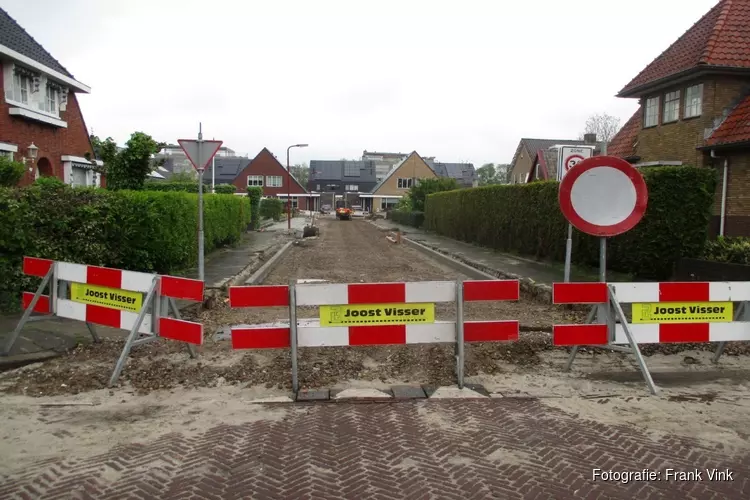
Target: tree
<point>604,126</point>
<point>418,193</point>
<point>130,167</point>
<point>301,172</point>
<point>489,174</point>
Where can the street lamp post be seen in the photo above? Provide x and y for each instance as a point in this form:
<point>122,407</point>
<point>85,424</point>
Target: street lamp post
<point>289,186</point>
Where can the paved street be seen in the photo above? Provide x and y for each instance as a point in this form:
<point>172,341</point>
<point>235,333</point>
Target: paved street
<point>452,449</point>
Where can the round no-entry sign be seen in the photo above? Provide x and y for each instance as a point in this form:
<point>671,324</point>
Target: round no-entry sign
<point>603,196</point>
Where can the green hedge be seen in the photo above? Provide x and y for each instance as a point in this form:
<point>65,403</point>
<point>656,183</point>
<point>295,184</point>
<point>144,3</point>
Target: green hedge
<point>188,187</point>
<point>225,189</point>
<point>135,230</point>
<point>730,250</point>
<point>271,208</point>
<point>414,219</point>
<point>526,219</point>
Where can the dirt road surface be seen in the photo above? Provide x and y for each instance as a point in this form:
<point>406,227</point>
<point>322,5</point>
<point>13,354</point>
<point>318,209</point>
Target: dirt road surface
<point>181,428</point>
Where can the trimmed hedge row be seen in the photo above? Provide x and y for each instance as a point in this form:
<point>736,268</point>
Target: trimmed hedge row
<point>188,187</point>
<point>135,230</point>
<point>526,219</point>
<point>414,219</point>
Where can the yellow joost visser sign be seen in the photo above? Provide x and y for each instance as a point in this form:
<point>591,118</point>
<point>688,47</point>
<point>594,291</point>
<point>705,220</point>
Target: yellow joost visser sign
<point>376,314</point>
<point>115,298</point>
<point>682,312</point>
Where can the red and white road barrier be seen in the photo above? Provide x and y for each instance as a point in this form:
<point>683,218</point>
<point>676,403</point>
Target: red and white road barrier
<point>102,296</point>
<point>375,298</point>
<point>310,333</point>
<point>629,293</point>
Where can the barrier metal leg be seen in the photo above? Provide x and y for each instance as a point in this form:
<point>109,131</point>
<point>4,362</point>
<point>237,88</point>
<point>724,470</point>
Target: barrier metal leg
<point>293,334</point>
<point>632,342</point>
<point>27,313</point>
<point>460,354</point>
<point>739,313</point>
<point>171,304</point>
<point>574,351</point>
<point>94,335</point>
<point>133,334</point>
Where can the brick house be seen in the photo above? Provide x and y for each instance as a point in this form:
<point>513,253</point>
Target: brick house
<point>267,172</point>
<point>41,123</point>
<point>695,110</point>
<point>333,180</point>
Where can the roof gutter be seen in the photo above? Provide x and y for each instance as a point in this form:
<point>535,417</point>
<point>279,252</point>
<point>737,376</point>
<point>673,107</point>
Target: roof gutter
<point>722,217</point>
<point>688,74</point>
<point>75,84</point>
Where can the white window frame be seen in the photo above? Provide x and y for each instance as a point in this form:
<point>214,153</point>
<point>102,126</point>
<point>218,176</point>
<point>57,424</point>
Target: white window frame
<point>7,150</point>
<point>352,187</point>
<point>693,101</point>
<point>671,107</point>
<point>51,101</point>
<point>651,112</point>
<point>274,181</point>
<point>254,180</point>
<point>405,182</point>
<point>21,84</point>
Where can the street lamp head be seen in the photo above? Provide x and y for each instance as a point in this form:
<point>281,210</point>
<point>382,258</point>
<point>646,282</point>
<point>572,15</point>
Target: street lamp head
<point>300,145</point>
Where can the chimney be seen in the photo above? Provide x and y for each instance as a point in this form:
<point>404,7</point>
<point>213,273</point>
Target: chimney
<point>589,138</point>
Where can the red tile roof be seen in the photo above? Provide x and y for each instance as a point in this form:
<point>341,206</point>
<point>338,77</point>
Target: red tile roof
<point>622,144</point>
<point>735,128</point>
<point>719,38</point>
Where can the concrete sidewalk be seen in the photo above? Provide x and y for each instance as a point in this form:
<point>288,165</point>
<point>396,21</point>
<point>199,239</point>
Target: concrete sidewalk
<point>50,337</point>
<point>538,271</point>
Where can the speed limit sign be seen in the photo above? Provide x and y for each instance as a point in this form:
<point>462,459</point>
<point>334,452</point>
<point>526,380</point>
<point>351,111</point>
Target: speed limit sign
<point>570,156</point>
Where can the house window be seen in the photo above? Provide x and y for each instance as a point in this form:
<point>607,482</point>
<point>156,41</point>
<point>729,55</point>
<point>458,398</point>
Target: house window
<point>255,180</point>
<point>21,88</point>
<point>317,187</point>
<point>51,100</point>
<point>6,154</point>
<point>352,187</point>
<point>694,101</point>
<point>405,183</point>
<point>652,112</point>
<point>671,106</point>
<point>273,181</point>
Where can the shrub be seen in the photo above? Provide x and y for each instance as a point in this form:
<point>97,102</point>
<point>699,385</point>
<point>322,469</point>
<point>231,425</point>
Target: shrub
<point>526,219</point>
<point>414,218</point>
<point>225,189</point>
<point>729,250</point>
<point>11,172</point>
<point>255,193</point>
<point>271,208</point>
<point>135,230</point>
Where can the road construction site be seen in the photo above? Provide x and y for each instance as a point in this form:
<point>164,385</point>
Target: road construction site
<point>63,408</point>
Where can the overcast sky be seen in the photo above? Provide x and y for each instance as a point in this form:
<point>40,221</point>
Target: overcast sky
<point>462,81</point>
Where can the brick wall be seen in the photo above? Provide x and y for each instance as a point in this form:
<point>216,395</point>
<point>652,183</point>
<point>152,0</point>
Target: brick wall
<point>677,141</point>
<point>53,142</point>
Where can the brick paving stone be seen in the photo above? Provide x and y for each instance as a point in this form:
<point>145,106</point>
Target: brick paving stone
<point>505,448</point>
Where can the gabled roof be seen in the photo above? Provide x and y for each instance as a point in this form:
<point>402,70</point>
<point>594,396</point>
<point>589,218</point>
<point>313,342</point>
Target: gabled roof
<point>462,172</point>
<point>623,143</point>
<point>227,169</point>
<point>13,36</point>
<point>735,128</point>
<point>720,39</point>
<point>397,166</point>
<point>533,146</point>
<point>267,153</point>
